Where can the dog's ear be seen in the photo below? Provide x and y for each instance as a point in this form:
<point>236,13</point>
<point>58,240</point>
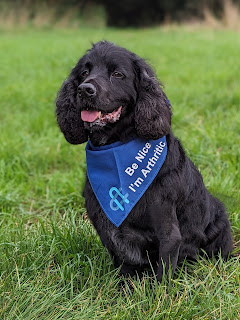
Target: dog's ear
<point>68,115</point>
<point>152,109</point>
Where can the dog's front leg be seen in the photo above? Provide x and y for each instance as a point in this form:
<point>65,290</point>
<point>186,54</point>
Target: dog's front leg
<point>169,244</point>
<point>164,219</point>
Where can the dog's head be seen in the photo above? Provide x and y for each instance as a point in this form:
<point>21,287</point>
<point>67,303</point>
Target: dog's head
<point>112,94</point>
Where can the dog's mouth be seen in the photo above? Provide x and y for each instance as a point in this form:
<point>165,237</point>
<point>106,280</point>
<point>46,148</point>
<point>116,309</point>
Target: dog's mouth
<point>99,118</point>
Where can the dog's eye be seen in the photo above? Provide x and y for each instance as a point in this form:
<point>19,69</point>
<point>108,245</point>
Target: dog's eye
<point>117,74</point>
<point>85,73</point>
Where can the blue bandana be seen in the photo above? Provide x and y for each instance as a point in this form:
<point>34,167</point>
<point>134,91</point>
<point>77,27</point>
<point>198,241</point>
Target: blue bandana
<point>120,173</point>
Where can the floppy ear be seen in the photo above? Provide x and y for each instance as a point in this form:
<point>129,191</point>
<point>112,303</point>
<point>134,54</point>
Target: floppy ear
<point>152,110</point>
<point>68,115</point>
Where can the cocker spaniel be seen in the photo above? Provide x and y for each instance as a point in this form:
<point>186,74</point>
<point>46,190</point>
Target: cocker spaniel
<point>144,196</point>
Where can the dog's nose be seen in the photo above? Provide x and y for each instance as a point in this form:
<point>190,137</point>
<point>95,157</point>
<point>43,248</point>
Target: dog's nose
<point>88,89</point>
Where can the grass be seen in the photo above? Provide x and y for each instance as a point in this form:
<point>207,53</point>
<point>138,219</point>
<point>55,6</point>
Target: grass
<point>53,265</point>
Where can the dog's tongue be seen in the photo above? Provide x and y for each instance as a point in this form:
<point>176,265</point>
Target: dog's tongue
<point>89,116</point>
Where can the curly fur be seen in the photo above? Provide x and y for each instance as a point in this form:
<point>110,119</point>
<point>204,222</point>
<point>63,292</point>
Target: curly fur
<point>177,217</point>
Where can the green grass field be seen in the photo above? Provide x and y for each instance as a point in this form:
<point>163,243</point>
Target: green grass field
<point>52,263</point>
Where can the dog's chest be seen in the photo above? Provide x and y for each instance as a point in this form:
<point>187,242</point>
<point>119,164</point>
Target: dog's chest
<point>133,241</point>
<point>132,245</point>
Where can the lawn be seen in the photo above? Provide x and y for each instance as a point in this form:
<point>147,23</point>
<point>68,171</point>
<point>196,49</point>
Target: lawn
<point>53,265</point>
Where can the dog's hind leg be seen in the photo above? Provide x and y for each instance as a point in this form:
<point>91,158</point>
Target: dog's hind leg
<point>218,232</point>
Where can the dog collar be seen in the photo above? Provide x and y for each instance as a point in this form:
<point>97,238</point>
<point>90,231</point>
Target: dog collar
<point>120,173</point>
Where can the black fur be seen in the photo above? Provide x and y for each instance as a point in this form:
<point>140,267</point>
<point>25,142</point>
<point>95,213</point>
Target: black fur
<point>177,217</point>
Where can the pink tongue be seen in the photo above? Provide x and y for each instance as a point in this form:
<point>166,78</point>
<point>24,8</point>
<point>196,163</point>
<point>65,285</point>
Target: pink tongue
<point>89,116</point>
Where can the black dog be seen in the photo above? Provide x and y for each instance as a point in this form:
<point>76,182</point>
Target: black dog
<point>113,95</point>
